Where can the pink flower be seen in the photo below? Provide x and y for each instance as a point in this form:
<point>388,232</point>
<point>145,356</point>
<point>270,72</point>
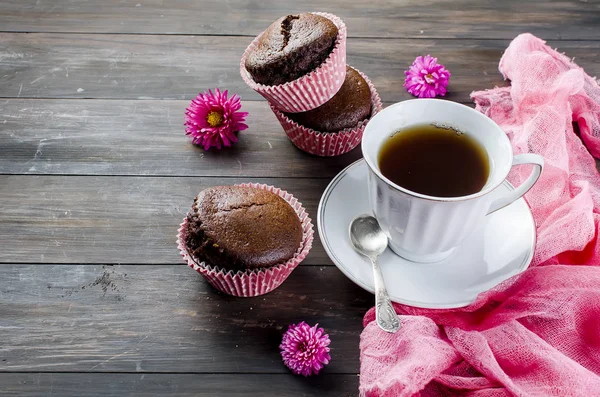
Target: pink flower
<point>212,119</point>
<point>426,78</point>
<point>304,349</point>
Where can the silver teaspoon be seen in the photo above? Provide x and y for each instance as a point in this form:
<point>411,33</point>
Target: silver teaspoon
<point>369,240</point>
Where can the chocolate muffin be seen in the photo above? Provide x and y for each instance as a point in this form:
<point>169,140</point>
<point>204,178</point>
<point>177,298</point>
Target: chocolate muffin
<point>351,105</point>
<point>237,228</point>
<point>291,47</point>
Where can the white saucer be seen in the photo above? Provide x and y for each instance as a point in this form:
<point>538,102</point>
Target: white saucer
<point>501,248</point>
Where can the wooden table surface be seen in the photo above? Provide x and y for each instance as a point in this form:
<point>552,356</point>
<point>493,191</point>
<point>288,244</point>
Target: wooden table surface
<point>96,174</point>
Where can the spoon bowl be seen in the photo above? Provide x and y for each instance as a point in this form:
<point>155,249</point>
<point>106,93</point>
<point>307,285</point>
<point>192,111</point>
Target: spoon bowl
<point>367,237</point>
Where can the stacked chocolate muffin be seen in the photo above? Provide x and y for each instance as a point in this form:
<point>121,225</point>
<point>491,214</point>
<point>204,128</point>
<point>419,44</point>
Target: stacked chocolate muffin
<point>299,65</point>
<point>290,48</point>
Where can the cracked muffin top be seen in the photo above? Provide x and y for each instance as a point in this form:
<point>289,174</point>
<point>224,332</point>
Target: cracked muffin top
<point>291,47</point>
<point>237,227</point>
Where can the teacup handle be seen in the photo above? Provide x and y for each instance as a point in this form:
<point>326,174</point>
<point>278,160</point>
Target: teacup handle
<point>527,158</point>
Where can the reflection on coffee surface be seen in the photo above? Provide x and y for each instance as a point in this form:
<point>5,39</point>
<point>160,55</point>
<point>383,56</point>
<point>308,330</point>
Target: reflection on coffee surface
<point>435,161</point>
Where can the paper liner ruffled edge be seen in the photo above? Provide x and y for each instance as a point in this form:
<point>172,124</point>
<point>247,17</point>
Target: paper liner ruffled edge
<point>311,90</point>
<point>328,143</point>
<point>253,282</point>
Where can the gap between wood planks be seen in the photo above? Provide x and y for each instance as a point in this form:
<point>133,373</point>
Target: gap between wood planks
<point>165,373</point>
<point>125,264</point>
<point>408,37</point>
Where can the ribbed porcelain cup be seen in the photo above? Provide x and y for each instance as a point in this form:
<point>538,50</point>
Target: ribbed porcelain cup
<point>424,228</point>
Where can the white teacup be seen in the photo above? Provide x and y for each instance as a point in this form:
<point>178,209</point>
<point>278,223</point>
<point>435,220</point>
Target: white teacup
<point>424,228</point>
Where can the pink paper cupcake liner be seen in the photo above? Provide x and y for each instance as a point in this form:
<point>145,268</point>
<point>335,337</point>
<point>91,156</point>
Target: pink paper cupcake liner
<point>311,90</point>
<point>253,282</point>
<point>328,143</point>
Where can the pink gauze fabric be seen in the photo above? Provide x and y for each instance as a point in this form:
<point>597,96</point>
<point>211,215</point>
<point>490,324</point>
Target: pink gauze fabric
<point>537,334</point>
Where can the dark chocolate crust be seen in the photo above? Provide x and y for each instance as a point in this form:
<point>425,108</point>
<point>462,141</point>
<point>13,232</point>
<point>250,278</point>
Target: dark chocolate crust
<point>291,47</point>
<point>236,227</point>
<point>351,105</point>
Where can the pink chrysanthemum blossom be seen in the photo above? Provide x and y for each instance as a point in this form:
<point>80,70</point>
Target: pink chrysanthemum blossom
<point>426,78</point>
<point>212,119</point>
<point>304,349</point>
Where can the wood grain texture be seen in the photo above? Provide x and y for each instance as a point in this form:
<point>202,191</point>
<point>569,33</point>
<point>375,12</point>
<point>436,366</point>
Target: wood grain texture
<point>94,318</point>
<point>180,385</point>
<point>128,137</point>
<point>116,137</point>
<point>406,18</point>
<point>178,67</point>
<point>79,219</point>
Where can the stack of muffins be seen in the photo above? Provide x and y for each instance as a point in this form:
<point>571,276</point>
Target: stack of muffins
<point>299,65</point>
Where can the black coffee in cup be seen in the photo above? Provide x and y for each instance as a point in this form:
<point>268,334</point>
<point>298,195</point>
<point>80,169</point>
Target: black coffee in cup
<point>435,161</point>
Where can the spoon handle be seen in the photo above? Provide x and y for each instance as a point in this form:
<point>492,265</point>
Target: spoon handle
<point>386,316</point>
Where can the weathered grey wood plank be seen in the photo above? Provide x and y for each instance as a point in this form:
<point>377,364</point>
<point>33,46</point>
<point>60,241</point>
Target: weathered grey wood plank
<point>115,137</point>
<point>180,385</point>
<point>94,318</point>
<point>408,18</point>
<point>79,219</point>
<point>178,67</point>
<point>129,137</point>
